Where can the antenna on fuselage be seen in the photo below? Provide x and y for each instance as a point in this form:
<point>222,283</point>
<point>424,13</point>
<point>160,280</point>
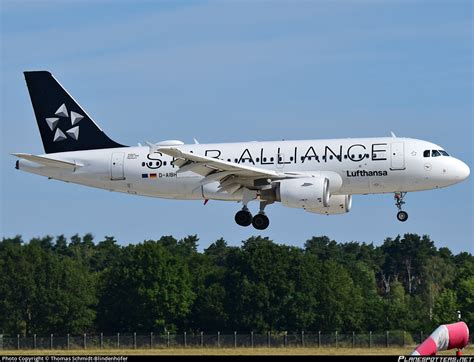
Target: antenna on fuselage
<point>393,134</point>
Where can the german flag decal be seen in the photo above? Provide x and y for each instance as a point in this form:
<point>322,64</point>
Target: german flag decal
<point>152,175</point>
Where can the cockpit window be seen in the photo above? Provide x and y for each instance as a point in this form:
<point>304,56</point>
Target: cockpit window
<point>434,153</point>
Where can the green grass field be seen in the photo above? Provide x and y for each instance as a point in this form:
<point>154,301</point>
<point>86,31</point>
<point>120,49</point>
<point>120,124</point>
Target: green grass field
<point>230,351</point>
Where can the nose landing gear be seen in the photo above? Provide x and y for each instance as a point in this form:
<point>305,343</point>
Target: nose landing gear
<point>401,215</point>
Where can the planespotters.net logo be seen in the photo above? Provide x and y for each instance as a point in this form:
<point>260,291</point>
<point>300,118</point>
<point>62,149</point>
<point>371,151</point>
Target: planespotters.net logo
<point>435,359</point>
<point>61,135</point>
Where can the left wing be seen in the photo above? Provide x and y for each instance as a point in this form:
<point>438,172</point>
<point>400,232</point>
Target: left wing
<point>230,175</point>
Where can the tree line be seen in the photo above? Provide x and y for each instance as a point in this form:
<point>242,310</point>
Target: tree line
<point>56,285</point>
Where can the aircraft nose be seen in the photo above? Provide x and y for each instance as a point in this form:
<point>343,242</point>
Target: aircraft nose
<point>461,170</point>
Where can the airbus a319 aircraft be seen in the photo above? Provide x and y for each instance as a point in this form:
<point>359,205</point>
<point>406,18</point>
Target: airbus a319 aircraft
<point>319,176</point>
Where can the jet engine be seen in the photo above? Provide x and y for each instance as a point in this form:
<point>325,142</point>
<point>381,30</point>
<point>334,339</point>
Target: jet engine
<point>338,204</point>
<point>306,193</point>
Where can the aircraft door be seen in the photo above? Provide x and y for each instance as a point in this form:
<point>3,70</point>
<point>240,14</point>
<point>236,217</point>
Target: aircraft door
<point>117,172</point>
<point>397,156</point>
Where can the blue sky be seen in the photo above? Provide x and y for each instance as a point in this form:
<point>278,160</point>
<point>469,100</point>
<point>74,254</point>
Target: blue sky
<point>240,71</point>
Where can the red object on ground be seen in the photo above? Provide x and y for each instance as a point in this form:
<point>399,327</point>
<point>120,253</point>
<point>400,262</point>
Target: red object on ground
<point>446,336</point>
<point>458,335</point>
<point>427,348</point>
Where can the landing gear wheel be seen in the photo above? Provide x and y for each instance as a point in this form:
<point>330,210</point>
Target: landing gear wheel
<point>260,222</point>
<point>402,216</point>
<point>399,202</point>
<point>243,218</point>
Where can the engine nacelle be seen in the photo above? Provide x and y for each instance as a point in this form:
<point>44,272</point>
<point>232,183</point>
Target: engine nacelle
<point>307,192</point>
<point>338,204</point>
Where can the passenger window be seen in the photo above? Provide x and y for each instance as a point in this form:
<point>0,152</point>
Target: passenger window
<point>426,153</point>
<point>435,153</point>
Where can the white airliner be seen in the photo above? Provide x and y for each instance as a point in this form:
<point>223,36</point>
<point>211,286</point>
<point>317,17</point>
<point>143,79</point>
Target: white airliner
<point>318,176</point>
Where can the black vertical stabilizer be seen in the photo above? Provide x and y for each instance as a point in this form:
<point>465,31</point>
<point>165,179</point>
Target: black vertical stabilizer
<point>64,126</point>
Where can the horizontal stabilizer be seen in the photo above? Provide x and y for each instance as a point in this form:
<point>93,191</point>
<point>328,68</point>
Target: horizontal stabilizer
<point>49,162</point>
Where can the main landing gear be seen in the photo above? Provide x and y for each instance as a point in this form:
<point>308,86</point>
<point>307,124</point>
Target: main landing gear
<point>259,221</point>
<point>401,215</point>
<point>243,217</point>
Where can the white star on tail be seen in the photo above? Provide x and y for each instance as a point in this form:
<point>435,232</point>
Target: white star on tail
<point>59,136</point>
<point>75,118</point>
<point>52,122</point>
<point>73,132</point>
<point>62,111</point>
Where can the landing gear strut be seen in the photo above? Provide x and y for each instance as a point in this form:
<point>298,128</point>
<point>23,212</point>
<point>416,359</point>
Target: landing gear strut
<point>244,217</point>
<point>401,215</point>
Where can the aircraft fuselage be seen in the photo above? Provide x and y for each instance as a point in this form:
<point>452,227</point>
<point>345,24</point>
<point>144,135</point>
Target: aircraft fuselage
<point>365,166</point>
